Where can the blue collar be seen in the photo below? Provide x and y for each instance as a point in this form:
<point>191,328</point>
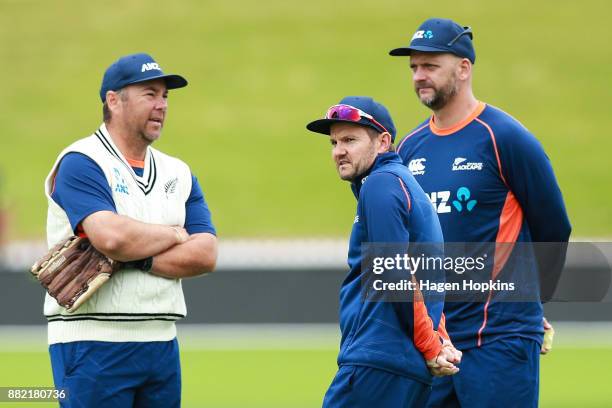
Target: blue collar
<point>381,160</point>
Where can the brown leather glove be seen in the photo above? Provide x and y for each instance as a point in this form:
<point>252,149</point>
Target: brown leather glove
<point>72,271</point>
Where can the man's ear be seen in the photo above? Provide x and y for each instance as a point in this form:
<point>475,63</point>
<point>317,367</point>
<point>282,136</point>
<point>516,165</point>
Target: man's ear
<point>112,100</point>
<point>464,69</point>
<point>385,142</point>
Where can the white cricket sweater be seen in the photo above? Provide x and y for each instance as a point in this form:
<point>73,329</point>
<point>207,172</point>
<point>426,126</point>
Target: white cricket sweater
<point>133,305</point>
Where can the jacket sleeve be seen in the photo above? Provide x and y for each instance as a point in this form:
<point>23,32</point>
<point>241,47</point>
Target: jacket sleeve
<point>528,173</point>
<point>387,210</point>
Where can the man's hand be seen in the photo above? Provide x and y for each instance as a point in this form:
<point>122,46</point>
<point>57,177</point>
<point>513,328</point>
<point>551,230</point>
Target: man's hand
<point>444,363</point>
<point>549,334</point>
<point>182,235</point>
<point>196,256</point>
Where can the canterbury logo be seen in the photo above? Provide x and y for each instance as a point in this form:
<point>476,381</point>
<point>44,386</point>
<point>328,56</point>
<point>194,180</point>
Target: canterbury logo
<point>170,186</point>
<point>417,166</point>
<point>150,66</point>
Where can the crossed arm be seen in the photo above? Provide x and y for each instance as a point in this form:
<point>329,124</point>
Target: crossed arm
<point>176,254</point>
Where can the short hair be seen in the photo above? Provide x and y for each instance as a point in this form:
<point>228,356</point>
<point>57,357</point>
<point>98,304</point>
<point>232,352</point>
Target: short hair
<point>373,133</point>
<point>106,112</point>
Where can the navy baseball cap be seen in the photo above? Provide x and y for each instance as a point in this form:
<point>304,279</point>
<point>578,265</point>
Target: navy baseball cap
<point>133,69</point>
<point>440,35</point>
<point>381,118</point>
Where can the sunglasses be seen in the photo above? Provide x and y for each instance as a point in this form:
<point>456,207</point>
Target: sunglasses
<point>466,31</point>
<point>351,113</point>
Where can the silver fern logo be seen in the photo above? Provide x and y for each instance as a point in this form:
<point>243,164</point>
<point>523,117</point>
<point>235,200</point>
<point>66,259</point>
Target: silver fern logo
<point>170,186</point>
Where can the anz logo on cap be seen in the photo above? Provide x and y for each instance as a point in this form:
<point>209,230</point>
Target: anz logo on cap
<point>150,66</point>
<point>422,34</point>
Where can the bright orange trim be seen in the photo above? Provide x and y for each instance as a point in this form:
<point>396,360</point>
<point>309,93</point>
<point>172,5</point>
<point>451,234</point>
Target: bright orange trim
<point>484,320</point>
<point>492,134</point>
<point>459,125</point>
<point>442,328</point>
<point>510,223</point>
<point>406,193</point>
<point>411,134</point>
<point>426,340</point>
<point>136,163</point>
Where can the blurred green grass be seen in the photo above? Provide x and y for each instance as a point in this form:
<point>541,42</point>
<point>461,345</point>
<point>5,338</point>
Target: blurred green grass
<point>570,377</point>
<point>259,71</point>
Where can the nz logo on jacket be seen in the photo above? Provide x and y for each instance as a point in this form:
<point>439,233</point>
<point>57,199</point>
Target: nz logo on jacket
<point>464,200</point>
<point>120,184</point>
<point>170,186</point>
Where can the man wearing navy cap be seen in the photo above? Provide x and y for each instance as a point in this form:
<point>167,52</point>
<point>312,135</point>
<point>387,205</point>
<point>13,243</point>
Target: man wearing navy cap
<point>490,181</point>
<point>392,343</point>
<point>141,207</point>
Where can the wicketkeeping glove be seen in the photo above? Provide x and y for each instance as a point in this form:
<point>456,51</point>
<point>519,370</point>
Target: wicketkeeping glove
<point>72,271</point>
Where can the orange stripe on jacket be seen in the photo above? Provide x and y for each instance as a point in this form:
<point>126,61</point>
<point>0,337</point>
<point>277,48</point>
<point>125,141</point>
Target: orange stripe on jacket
<point>442,328</point>
<point>426,339</point>
<point>492,134</point>
<point>510,222</point>
<point>484,320</point>
<point>406,193</point>
<point>411,134</point>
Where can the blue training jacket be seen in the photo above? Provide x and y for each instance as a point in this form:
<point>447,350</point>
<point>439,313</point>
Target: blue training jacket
<point>490,181</point>
<point>392,336</point>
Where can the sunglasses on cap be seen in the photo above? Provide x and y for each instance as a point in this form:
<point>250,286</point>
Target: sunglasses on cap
<point>351,113</point>
<point>466,31</point>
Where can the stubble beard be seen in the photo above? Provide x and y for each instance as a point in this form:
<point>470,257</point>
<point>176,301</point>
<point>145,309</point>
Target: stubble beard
<point>362,166</point>
<point>147,138</point>
<point>442,96</point>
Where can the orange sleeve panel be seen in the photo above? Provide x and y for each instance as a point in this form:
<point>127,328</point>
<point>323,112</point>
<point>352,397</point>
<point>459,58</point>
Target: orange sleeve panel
<point>425,338</point>
<point>510,222</point>
<point>442,329</point>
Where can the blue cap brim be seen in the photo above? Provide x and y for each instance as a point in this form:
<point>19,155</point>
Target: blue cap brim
<point>405,51</point>
<point>323,126</point>
<point>172,81</point>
